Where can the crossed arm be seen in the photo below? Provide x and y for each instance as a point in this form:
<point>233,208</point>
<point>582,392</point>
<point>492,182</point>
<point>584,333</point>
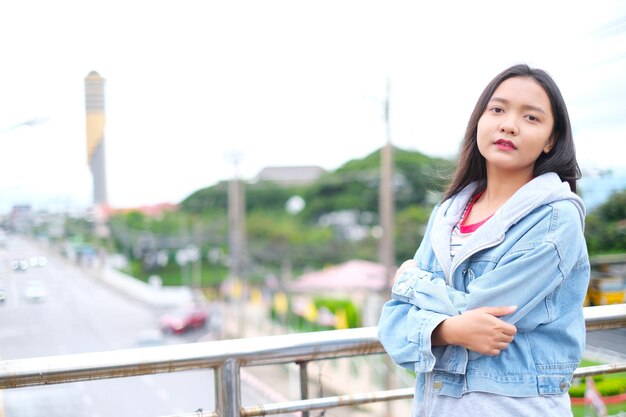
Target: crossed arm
<point>480,329</point>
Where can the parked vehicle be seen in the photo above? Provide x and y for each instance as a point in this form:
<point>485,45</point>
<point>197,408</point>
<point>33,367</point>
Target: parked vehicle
<point>35,291</point>
<point>19,265</point>
<point>606,289</point>
<point>38,261</point>
<point>183,319</point>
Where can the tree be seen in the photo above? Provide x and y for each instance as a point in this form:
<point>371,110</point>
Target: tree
<point>355,185</point>
<point>605,229</point>
<point>410,228</point>
<point>263,195</point>
<point>276,236</point>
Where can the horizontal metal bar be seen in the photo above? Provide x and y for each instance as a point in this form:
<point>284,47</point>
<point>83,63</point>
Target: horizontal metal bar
<point>173,358</point>
<point>326,402</point>
<point>205,355</point>
<point>404,393</point>
<point>605,317</point>
<point>198,413</point>
<point>609,368</point>
<point>378,396</point>
<point>364,398</point>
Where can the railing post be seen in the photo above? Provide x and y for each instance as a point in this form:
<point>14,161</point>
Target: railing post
<point>304,384</point>
<point>228,389</point>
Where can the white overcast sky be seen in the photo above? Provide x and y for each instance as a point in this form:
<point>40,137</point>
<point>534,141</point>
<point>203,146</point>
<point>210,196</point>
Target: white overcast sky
<point>281,83</point>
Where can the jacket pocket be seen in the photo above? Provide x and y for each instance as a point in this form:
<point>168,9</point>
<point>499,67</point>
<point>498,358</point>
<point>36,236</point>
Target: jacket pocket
<point>540,314</point>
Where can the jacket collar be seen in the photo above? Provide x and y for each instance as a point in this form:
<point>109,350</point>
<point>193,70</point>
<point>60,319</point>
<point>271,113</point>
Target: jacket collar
<point>544,189</point>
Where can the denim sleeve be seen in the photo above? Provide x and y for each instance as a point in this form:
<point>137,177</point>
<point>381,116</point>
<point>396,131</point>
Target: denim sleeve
<point>428,292</point>
<point>523,279</point>
<point>421,301</point>
<point>405,332</point>
<point>425,301</point>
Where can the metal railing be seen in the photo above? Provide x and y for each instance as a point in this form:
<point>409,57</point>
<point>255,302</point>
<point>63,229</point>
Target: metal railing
<point>226,357</point>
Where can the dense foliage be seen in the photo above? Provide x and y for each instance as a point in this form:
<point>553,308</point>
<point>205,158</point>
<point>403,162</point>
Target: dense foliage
<point>337,222</point>
<point>355,185</point>
<point>605,229</point>
<point>258,196</point>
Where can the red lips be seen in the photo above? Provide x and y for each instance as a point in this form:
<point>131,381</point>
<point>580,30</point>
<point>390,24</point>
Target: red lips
<point>505,144</point>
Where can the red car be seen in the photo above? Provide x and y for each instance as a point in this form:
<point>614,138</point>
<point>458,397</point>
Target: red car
<point>183,319</point>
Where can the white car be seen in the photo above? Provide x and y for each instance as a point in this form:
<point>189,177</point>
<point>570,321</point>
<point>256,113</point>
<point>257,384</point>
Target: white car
<point>35,291</point>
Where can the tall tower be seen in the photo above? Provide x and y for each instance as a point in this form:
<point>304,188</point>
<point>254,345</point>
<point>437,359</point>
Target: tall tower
<point>94,104</point>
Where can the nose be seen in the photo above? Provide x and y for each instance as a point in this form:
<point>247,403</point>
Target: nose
<point>508,126</point>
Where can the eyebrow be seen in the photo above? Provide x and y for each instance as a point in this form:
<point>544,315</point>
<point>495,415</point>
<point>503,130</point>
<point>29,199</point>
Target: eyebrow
<point>526,106</point>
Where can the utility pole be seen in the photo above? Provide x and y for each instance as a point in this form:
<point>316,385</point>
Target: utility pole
<point>386,214</point>
<point>386,202</point>
<point>236,220</point>
<point>237,236</point>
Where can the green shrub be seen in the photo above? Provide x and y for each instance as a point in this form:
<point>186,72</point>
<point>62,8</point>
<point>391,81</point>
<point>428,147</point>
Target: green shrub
<point>606,386</point>
<point>577,391</point>
<point>334,305</point>
<point>613,386</point>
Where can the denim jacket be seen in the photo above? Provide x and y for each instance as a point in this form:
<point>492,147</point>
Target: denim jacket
<point>532,254</point>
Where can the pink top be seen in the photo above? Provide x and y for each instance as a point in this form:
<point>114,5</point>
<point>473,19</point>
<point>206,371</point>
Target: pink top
<point>470,228</point>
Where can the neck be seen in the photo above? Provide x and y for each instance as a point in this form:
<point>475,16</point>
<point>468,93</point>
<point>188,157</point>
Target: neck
<point>501,186</point>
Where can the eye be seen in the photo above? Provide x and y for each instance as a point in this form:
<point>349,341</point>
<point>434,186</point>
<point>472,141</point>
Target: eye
<point>532,118</point>
<point>496,109</point>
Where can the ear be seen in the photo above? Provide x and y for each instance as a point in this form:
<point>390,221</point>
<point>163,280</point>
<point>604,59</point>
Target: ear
<point>549,145</point>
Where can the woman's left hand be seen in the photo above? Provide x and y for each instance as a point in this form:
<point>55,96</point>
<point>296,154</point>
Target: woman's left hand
<point>405,265</point>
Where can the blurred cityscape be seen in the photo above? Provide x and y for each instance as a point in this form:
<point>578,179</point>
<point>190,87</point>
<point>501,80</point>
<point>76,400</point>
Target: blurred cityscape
<point>292,249</point>
<point>296,249</point>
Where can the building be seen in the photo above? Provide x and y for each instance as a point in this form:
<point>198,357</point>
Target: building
<point>20,219</point>
<point>294,175</point>
<point>153,211</point>
<point>94,105</point>
<point>363,282</point>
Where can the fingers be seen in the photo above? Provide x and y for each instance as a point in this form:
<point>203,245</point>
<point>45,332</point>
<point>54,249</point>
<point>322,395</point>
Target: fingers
<point>498,346</point>
<point>411,263</point>
<point>499,311</point>
<point>496,350</point>
<point>506,339</point>
<point>507,328</point>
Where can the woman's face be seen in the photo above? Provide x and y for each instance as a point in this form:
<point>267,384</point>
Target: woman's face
<point>515,126</point>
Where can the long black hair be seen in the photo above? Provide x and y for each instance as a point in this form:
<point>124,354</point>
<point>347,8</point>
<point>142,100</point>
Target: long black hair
<point>561,159</point>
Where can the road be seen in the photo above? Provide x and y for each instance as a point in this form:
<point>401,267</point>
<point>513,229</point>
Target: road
<point>79,314</point>
<point>607,345</point>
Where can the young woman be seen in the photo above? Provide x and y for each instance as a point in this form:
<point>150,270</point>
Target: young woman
<point>489,312</point>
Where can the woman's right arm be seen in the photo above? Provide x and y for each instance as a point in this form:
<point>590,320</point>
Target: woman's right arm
<point>404,331</point>
<point>479,330</point>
